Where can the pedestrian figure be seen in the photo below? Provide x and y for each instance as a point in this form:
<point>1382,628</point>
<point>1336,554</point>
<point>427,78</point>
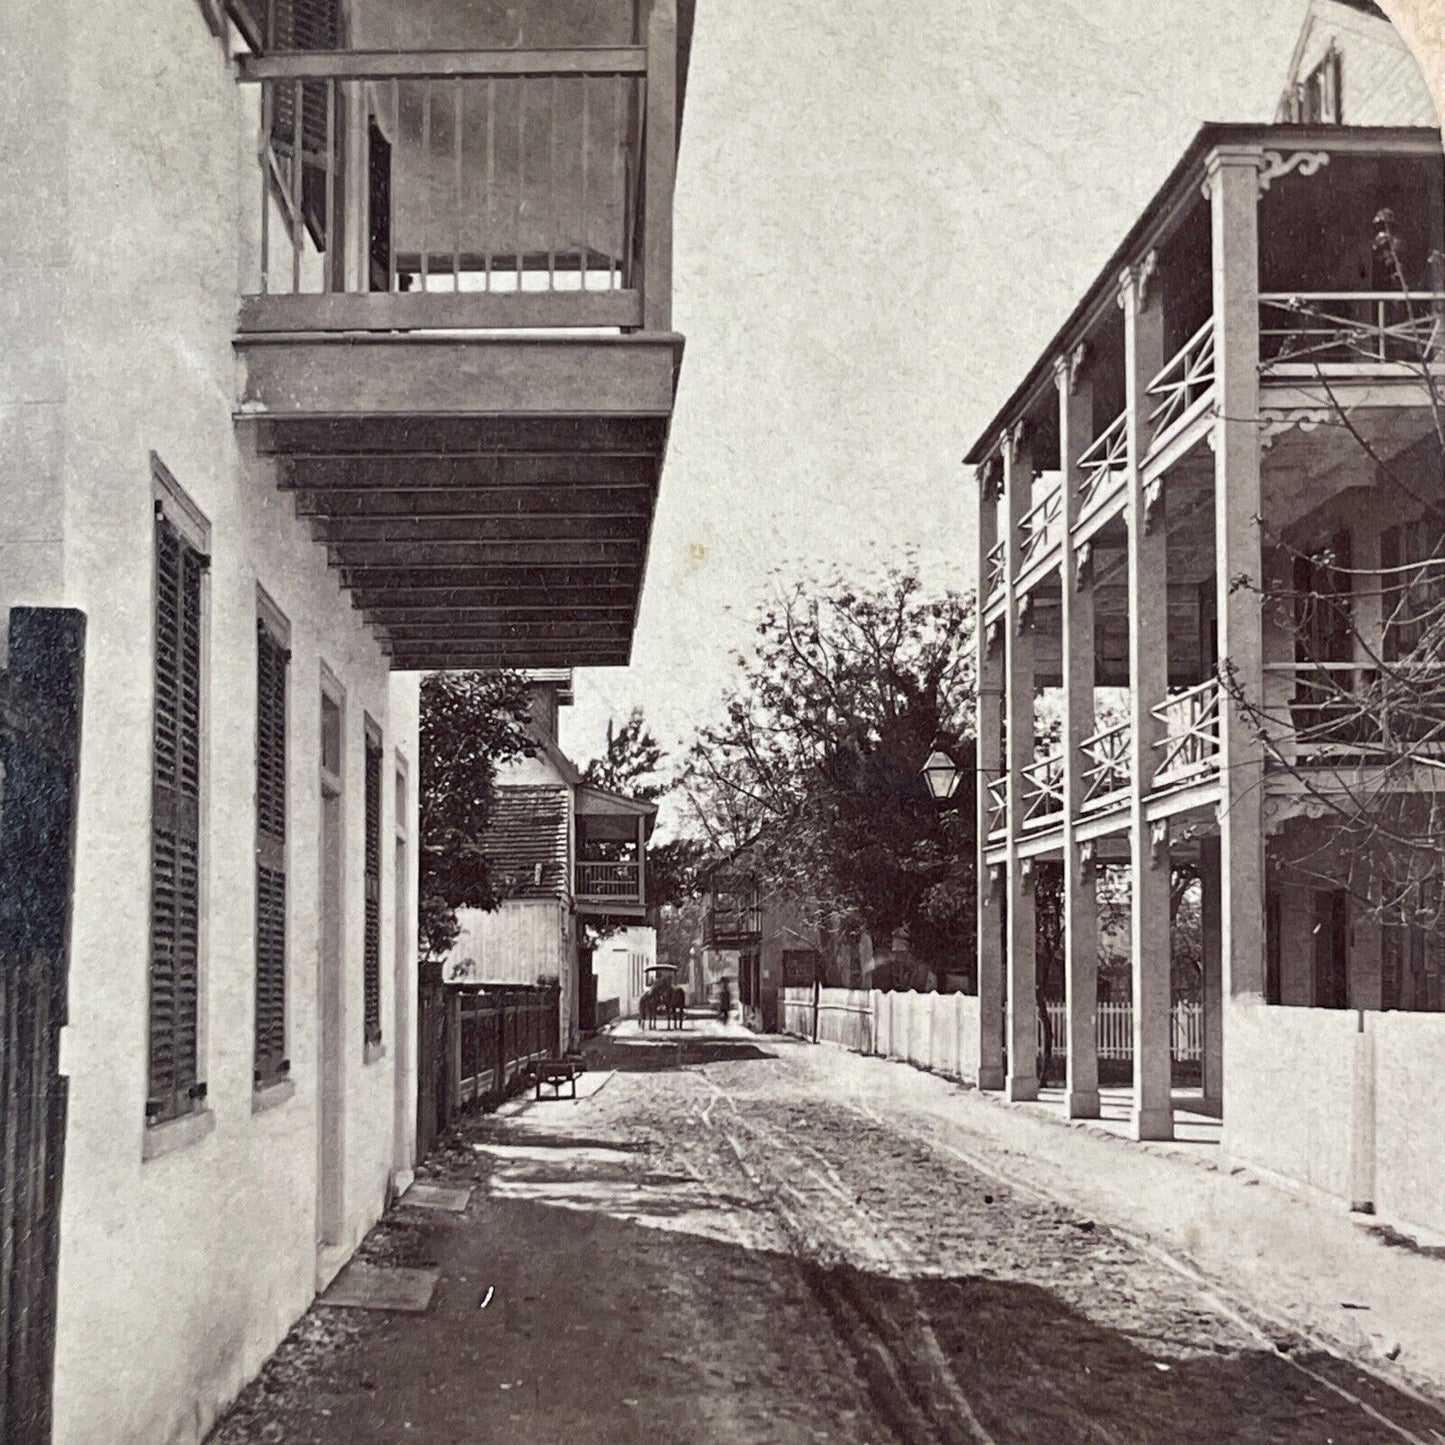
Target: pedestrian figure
<point>724,1002</point>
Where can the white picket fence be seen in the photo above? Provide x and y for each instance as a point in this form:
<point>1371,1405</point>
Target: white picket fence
<point>1114,1029</point>
<point>940,1031</point>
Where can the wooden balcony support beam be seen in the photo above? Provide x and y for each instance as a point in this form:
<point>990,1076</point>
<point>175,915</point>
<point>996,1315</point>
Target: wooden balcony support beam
<point>509,503</point>
<point>441,64</point>
<point>989,731</point>
<point>1076,596</point>
<point>1018,479</point>
<point>1149,916</point>
<point>569,478</point>
<point>430,556</point>
<point>431,532</point>
<point>1234,207</point>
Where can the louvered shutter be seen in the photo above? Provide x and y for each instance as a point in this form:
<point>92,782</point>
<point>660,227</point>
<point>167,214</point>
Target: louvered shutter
<point>372,959</point>
<point>271,660</point>
<point>306,25</point>
<point>174,1086</point>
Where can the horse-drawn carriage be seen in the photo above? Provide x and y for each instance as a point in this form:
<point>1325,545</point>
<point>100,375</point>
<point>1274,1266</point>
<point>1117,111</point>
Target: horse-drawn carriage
<point>662,1002</point>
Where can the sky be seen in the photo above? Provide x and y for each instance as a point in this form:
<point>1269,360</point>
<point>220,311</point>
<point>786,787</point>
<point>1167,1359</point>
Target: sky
<point>884,212</point>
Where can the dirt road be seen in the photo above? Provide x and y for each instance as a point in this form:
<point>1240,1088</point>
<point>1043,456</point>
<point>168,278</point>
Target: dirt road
<point>725,1243</point>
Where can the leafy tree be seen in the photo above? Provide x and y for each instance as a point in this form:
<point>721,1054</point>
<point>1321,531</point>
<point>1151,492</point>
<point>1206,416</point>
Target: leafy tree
<point>815,768</point>
<point>471,722</point>
<point>632,763</point>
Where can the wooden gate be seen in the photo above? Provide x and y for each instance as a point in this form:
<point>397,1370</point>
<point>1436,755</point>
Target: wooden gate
<point>40,697</point>
<point>432,1056</point>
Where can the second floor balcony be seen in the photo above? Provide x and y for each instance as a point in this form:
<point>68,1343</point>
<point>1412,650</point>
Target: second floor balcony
<point>456,331</point>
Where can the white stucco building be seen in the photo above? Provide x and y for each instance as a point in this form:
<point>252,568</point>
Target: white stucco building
<point>277,471</point>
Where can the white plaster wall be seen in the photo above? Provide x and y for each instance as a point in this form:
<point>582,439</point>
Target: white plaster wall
<point>178,1275</point>
<point>1288,1091</point>
<point>619,963</point>
<point>1409,1118</point>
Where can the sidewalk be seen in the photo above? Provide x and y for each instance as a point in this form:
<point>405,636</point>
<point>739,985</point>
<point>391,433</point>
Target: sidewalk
<point>1292,1258</point>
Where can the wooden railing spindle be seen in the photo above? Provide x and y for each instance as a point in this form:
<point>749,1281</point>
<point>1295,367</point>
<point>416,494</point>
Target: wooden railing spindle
<point>458,122</point>
<point>298,221</point>
<point>424,188</point>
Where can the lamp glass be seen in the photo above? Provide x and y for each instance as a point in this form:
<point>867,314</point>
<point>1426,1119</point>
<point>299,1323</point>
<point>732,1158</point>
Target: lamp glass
<point>940,772</point>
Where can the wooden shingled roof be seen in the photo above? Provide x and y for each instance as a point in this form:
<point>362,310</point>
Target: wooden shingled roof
<point>526,843</point>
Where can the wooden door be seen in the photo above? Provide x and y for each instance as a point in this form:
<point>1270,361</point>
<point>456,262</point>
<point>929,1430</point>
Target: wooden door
<point>1330,917</point>
<point>39,756</point>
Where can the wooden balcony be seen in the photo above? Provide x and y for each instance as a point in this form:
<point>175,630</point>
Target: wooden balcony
<point>457,346</point>
<point>731,924</point>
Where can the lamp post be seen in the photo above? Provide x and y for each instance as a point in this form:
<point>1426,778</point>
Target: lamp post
<point>941,774</point>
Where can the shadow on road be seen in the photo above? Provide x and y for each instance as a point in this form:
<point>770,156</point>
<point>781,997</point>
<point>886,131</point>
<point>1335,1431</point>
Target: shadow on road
<point>651,1053</point>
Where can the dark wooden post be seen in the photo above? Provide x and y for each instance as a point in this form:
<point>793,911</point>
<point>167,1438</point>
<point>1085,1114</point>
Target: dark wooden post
<point>40,714</point>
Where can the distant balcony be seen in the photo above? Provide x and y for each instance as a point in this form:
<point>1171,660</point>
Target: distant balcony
<point>731,925</point>
<point>609,882</point>
<point>457,342</point>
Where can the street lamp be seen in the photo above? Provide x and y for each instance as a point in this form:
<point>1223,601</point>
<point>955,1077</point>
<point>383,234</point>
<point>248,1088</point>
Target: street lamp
<point>941,774</point>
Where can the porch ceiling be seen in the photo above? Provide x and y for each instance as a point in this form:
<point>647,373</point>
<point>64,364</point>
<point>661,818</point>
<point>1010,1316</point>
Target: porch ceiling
<point>481,542</point>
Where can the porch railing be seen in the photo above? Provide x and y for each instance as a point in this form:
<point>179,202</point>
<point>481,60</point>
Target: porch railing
<point>724,925</point>
<point>998,804</point>
<point>993,582</point>
<point>1334,712</point>
<point>1043,789</point>
<point>1042,527</point>
<point>1106,770</point>
<point>619,881</point>
<point>456,189</point>
<point>1104,464</point>
<point>1332,328</point>
<point>1184,381</point>
<point>1190,745</point>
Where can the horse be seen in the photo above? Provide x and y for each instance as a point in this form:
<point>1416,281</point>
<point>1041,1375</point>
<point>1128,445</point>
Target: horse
<point>647,1008</point>
<point>676,1006</point>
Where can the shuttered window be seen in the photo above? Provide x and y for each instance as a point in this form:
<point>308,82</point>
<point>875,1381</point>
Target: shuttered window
<point>174,1085</point>
<point>305,25</point>
<point>372,958</point>
<point>272,658</point>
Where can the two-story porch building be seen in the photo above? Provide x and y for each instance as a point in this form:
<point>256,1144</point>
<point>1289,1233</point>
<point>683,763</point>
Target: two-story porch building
<point>337,346</point>
<point>570,856</point>
<point>1238,412</point>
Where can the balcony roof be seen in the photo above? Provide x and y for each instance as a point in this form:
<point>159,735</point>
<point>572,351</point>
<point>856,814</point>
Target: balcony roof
<point>1157,218</point>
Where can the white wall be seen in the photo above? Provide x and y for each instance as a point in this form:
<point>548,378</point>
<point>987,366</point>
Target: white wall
<point>178,1274</point>
<point>620,962</point>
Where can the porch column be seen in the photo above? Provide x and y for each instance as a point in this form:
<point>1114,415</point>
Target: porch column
<point>1212,1061</point>
<point>1153,1116</point>
<point>990,768</point>
<point>1081,938</point>
<point>1233,181</point>
<point>1018,480</point>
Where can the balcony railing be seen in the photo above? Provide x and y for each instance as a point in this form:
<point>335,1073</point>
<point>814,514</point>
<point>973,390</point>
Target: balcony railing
<point>1042,527</point>
<point>617,882</point>
<point>1187,378</point>
<point>451,189</point>
<point>1043,789</point>
<point>1190,745</point>
<point>1334,328</point>
<point>1334,713</point>
<point>1106,769</point>
<point>732,925</point>
<point>993,582</point>
<point>998,805</point>
<point>1104,465</point>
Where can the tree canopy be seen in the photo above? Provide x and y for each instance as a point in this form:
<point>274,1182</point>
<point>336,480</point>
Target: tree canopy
<point>815,767</point>
<point>471,723</point>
